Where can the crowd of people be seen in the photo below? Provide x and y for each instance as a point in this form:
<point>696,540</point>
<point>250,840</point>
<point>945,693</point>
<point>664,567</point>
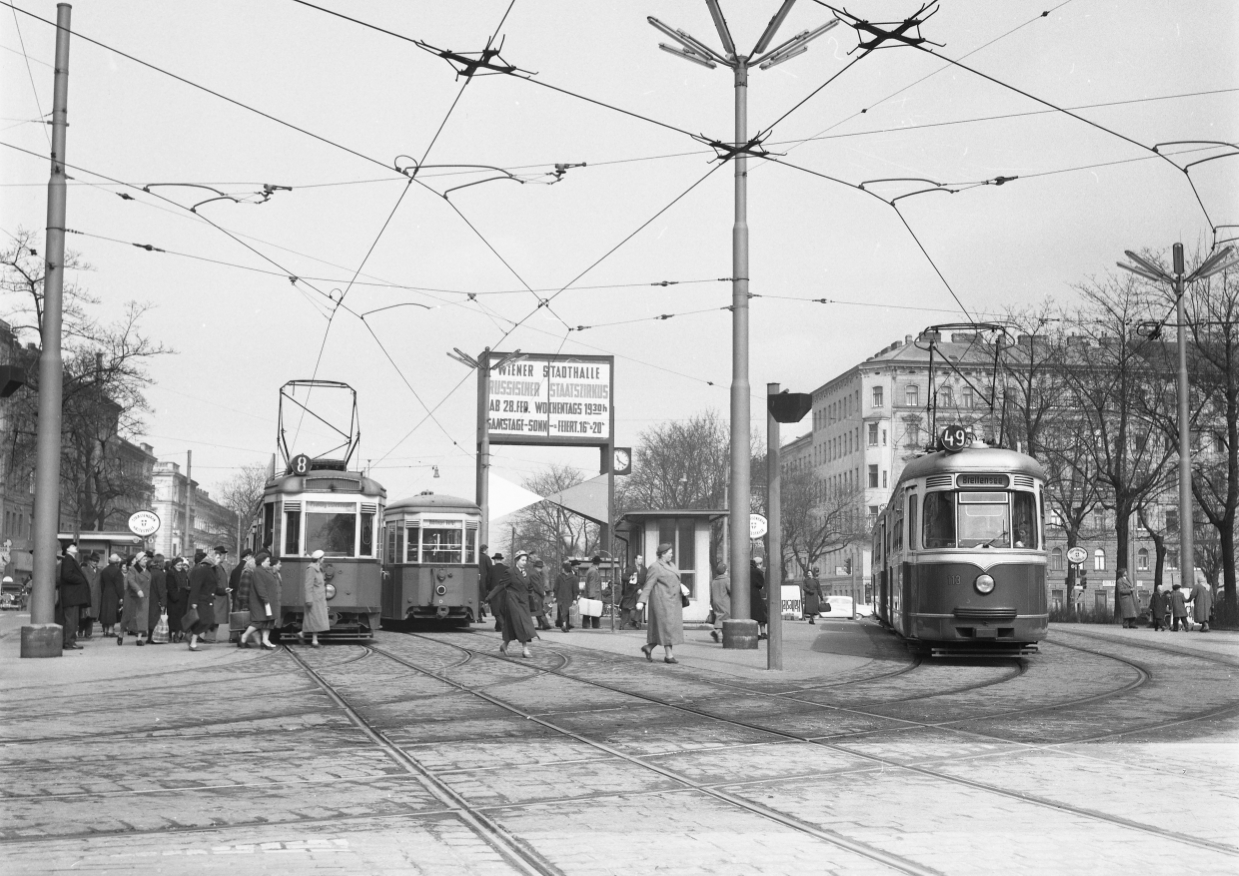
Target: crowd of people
<point>156,600</point>
<point>1168,609</point>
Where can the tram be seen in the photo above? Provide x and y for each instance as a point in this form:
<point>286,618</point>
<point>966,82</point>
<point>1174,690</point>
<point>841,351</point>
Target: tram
<point>959,554</point>
<point>318,504</point>
<point>430,569</point>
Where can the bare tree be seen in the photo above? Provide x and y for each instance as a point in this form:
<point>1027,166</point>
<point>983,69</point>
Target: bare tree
<point>104,383</point>
<point>242,494</point>
<point>1113,387</point>
<point>817,518</point>
<point>553,532</point>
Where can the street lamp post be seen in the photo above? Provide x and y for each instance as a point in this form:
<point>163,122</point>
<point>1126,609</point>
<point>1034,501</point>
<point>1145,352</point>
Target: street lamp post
<point>692,49</point>
<point>1219,261</point>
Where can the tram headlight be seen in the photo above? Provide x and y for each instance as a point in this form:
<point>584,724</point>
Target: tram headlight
<point>441,590</point>
<point>984,584</point>
<point>331,591</point>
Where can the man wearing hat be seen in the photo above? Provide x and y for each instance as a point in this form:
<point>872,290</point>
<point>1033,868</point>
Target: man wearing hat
<point>86,623</point>
<point>74,593</point>
<point>484,567</point>
<point>221,607</point>
<point>537,591</point>
<point>498,576</point>
<point>202,584</point>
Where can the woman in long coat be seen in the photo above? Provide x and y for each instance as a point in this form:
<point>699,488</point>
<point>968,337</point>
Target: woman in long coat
<point>111,592</point>
<point>177,583</point>
<point>261,586</point>
<point>510,600</point>
<point>662,592</point>
<point>137,600</point>
<point>1202,605</point>
<point>315,620</point>
<point>757,601</point>
<point>812,598</point>
<point>158,601</point>
<point>1178,609</point>
<point>1157,608</point>
<point>537,595</point>
<point>1126,596</point>
<point>720,600</point>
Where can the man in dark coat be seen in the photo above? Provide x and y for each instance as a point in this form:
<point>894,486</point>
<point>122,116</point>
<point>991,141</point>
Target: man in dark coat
<point>484,571</point>
<point>222,592</point>
<point>111,592</point>
<point>757,601</point>
<point>566,593</point>
<point>240,594</point>
<point>86,622</point>
<point>628,599</point>
<point>537,592</point>
<point>74,593</point>
<point>496,583</point>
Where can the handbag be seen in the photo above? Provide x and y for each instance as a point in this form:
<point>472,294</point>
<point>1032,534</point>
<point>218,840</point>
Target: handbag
<point>159,636</point>
<point>190,620</point>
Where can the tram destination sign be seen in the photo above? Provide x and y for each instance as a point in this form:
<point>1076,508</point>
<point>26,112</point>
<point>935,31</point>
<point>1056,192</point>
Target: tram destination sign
<point>547,399</point>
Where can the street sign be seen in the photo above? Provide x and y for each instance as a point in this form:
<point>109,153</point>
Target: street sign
<point>144,523</point>
<point>757,526</point>
<point>1077,555</point>
<point>539,398</point>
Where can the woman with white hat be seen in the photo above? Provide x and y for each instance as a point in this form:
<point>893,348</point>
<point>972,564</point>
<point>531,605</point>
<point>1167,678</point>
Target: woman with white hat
<point>315,620</point>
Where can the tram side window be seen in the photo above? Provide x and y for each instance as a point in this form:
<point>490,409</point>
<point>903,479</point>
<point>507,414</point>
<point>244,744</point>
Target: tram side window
<point>330,528</point>
<point>367,534</point>
<point>393,542</point>
<point>471,543</point>
<point>268,526</point>
<point>897,526</point>
<point>939,520</point>
<point>983,520</point>
<point>412,543</point>
<point>442,542</point>
<point>292,533</point>
<point>912,522</point>
<point>1024,517</point>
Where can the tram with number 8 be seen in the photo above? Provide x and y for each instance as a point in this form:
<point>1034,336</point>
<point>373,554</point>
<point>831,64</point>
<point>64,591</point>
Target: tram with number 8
<point>430,569</point>
<point>959,556</point>
<point>318,504</point>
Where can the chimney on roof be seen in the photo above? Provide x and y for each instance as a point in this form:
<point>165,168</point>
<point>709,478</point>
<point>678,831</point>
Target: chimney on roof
<point>907,339</point>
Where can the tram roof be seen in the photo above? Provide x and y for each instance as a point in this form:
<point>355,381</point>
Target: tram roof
<point>329,481</point>
<point>986,459</point>
<point>433,502</point>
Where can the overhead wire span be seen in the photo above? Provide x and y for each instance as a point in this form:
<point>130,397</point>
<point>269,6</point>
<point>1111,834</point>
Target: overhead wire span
<point>30,73</point>
<point>79,35</point>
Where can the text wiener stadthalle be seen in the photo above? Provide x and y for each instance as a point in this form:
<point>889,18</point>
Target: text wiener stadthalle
<point>541,399</point>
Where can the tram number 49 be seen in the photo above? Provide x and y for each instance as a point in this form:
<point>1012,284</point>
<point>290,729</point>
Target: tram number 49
<point>954,438</point>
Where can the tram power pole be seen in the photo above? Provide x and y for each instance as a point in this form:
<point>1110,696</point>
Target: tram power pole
<point>43,637</point>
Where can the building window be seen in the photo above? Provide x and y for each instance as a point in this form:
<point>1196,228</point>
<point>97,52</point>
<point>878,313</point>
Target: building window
<point>883,437</point>
<point>873,476</point>
<point>1172,519</point>
<point>1056,560</point>
<point>1172,559</point>
<point>884,479</point>
<point>1099,560</point>
<point>968,400</point>
<point>1055,520</point>
<point>873,515</point>
<point>877,397</point>
<point>873,434</point>
<point>1101,600</point>
<point>1142,560</point>
<point>945,399</point>
<point>1058,599</point>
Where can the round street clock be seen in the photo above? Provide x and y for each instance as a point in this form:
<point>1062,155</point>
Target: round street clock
<point>621,461</point>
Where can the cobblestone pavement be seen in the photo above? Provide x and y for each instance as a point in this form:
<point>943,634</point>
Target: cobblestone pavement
<point>1111,751</point>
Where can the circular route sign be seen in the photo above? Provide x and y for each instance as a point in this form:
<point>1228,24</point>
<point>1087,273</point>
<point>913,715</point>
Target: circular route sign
<point>953,438</point>
<point>299,464</point>
<point>757,526</point>
<point>1076,555</point>
<point>144,523</point>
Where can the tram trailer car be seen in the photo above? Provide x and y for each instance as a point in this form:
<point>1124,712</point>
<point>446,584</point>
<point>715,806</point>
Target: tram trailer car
<point>959,554</point>
<point>338,512</point>
<point>431,560</point>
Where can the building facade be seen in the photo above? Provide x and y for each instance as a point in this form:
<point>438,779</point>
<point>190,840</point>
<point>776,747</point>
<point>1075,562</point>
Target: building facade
<point>211,523</point>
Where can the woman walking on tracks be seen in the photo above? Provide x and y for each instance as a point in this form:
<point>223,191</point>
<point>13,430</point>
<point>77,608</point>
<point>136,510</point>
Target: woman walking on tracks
<point>509,599</point>
<point>315,619</point>
<point>663,592</point>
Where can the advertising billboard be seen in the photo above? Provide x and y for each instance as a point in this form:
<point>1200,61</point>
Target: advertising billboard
<point>547,399</point>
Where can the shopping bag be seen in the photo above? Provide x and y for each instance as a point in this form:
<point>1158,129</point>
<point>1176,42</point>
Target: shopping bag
<point>190,620</point>
<point>159,635</point>
<point>574,615</point>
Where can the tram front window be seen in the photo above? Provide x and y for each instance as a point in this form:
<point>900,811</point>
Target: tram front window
<point>330,528</point>
<point>1027,529</point>
<point>442,542</point>
<point>939,520</point>
<point>983,520</point>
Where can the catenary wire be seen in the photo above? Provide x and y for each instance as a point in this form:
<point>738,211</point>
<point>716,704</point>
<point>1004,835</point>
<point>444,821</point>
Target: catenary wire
<point>30,73</point>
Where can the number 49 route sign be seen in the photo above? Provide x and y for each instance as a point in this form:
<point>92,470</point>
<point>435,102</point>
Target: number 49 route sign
<point>953,438</point>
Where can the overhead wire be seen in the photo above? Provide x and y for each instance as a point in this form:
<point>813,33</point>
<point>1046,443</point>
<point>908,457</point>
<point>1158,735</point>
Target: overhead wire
<point>30,73</point>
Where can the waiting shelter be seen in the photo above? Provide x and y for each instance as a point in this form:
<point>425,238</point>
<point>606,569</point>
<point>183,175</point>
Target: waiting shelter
<point>688,531</point>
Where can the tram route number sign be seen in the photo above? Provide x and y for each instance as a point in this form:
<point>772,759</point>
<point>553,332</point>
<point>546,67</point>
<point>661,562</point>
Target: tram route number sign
<point>548,399</point>
<point>144,523</point>
<point>953,438</point>
<point>1076,555</point>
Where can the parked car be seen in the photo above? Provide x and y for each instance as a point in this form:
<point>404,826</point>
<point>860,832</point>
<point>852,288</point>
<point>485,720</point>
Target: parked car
<point>864,610</point>
<point>839,606</point>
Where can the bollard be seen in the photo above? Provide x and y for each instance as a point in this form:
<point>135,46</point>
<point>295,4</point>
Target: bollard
<point>42,640</point>
<point>740,634</point>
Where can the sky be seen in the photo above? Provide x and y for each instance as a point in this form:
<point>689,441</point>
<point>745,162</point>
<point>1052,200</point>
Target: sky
<point>326,109</point>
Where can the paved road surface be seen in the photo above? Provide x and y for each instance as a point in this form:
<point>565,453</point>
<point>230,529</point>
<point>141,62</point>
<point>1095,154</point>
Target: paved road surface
<point>1111,752</point>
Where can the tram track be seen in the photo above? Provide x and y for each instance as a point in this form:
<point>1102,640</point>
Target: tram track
<point>885,763</point>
